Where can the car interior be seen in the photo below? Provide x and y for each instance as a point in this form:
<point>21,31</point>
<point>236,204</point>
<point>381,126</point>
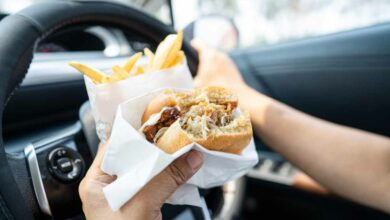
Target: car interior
<point>342,77</point>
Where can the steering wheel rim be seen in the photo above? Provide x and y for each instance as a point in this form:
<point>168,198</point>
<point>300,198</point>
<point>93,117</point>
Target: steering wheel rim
<point>33,24</point>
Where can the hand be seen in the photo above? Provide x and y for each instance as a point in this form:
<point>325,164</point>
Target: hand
<point>217,69</point>
<point>147,203</point>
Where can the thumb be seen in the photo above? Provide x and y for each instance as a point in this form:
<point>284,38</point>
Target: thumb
<point>162,186</point>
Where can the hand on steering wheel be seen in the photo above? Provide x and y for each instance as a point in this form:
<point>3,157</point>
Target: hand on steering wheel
<point>147,203</point>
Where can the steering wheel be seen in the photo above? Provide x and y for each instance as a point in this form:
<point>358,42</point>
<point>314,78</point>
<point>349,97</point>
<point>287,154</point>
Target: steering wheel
<point>20,190</point>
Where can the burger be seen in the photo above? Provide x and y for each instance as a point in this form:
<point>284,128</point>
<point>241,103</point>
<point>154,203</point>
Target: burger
<point>207,116</point>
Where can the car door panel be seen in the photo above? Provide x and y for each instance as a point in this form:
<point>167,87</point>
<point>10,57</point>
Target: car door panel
<point>344,77</point>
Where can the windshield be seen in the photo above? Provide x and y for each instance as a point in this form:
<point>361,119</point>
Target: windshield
<point>262,22</point>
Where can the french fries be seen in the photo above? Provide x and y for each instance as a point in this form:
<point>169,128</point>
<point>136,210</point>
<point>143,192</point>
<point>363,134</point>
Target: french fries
<point>168,54</point>
<point>131,61</point>
<point>149,54</point>
<point>174,51</point>
<point>119,72</point>
<point>140,70</point>
<point>92,73</point>
<point>167,50</point>
<point>178,59</point>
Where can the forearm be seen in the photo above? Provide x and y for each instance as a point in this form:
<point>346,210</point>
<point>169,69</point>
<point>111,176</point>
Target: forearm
<point>349,162</point>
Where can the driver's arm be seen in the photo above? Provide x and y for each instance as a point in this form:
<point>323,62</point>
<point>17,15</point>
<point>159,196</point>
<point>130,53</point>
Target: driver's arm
<point>350,162</point>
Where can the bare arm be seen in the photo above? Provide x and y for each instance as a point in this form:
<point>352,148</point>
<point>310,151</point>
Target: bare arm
<point>347,161</point>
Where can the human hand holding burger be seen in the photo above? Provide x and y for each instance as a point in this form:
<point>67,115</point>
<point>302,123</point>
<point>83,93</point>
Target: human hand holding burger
<point>146,204</point>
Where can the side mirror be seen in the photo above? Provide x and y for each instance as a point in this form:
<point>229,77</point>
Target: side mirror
<point>216,30</point>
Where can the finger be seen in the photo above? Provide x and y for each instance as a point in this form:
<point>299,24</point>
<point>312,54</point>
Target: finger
<point>198,83</point>
<point>161,187</point>
<point>94,172</point>
<point>100,155</point>
<point>199,45</point>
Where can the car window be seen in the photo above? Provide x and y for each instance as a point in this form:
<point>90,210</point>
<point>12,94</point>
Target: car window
<point>272,21</point>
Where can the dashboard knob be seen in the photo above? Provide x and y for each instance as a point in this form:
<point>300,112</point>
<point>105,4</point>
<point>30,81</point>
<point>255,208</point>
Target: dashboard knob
<point>65,164</point>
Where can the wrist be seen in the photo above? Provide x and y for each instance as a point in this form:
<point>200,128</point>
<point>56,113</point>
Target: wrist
<point>250,99</point>
<point>256,104</point>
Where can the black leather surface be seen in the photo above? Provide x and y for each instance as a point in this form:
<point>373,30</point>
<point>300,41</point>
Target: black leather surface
<point>19,169</point>
<point>20,34</point>
<point>15,56</point>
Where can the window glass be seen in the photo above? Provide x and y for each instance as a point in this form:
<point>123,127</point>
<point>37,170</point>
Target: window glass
<point>272,21</point>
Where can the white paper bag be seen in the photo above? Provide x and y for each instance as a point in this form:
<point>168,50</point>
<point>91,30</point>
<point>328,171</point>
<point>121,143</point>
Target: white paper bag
<point>135,161</point>
<point>105,98</point>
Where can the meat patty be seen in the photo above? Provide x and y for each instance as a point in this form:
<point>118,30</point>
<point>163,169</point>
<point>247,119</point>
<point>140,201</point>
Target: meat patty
<point>168,117</point>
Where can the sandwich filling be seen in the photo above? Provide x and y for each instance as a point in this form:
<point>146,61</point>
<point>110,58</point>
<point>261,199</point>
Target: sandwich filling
<point>205,118</point>
<point>167,117</point>
<point>199,113</point>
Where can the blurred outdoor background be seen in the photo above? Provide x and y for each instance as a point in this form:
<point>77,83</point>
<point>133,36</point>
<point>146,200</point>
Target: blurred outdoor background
<point>263,22</point>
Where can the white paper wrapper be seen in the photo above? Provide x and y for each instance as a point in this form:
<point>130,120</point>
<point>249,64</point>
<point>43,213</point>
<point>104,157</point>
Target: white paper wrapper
<point>135,161</point>
<point>105,98</point>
